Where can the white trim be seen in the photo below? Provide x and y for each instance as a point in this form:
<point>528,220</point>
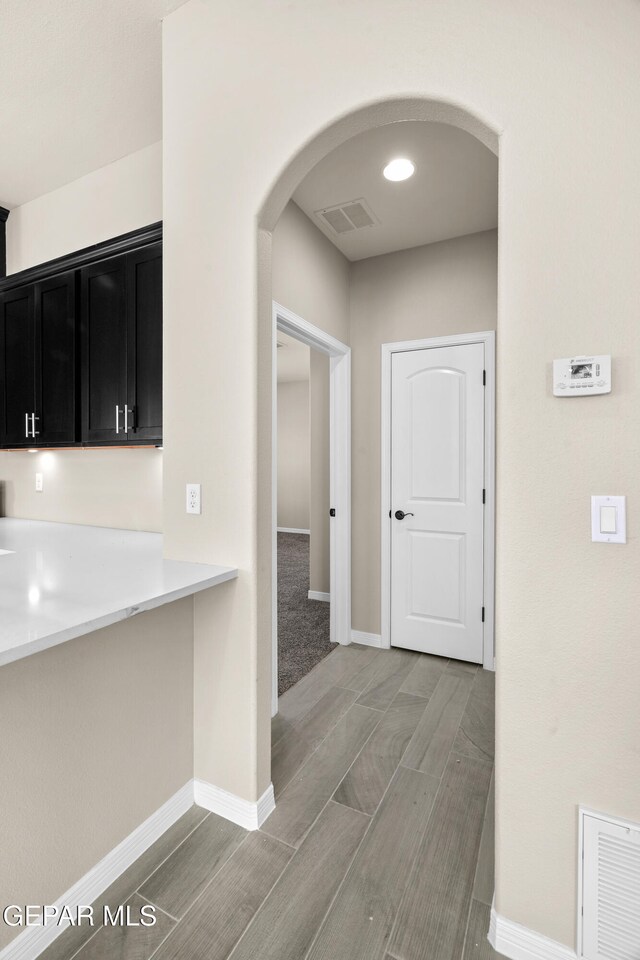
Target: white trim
<point>488,338</point>
<point>340,477</point>
<point>293,530</point>
<point>319,595</point>
<point>246,814</point>
<point>368,639</point>
<point>33,940</point>
<point>519,943</point>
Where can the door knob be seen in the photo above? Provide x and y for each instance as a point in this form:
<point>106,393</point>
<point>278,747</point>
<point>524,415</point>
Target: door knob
<point>400,514</point>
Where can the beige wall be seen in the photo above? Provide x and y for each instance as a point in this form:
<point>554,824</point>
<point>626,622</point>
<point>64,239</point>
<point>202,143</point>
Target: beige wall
<point>311,277</point>
<point>431,291</point>
<point>98,734</point>
<point>319,398</point>
<point>105,203</point>
<point>557,84</point>
<point>293,455</point>
<point>104,488</point>
<point>305,273</point>
<point>107,488</point>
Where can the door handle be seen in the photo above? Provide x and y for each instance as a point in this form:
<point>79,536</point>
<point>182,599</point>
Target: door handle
<point>127,412</point>
<point>33,425</point>
<point>26,425</point>
<point>400,514</point>
<point>117,419</point>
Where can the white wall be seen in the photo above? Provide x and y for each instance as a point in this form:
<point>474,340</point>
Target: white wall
<point>110,488</point>
<point>557,84</point>
<point>431,291</point>
<point>293,455</point>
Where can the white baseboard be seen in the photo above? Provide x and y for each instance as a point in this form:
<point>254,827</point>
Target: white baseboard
<point>292,530</point>
<point>33,940</point>
<point>318,595</point>
<point>368,639</point>
<point>519,943</point>
<point>246,814</point>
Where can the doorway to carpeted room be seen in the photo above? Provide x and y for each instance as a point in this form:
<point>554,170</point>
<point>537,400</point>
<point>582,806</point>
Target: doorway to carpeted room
<point>303,624</point>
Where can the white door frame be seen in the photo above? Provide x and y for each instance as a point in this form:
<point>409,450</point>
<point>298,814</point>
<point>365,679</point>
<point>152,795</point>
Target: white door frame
<point>488,338</point>
<point>339,472</point>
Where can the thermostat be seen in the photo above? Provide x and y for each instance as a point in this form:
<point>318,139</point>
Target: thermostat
<point>581,376</point>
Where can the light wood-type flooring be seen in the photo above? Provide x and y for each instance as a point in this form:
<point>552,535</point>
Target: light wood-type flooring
<point>380,846</point>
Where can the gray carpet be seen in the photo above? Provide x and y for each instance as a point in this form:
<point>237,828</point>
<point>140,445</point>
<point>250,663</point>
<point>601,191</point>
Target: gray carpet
<point>303,624</point>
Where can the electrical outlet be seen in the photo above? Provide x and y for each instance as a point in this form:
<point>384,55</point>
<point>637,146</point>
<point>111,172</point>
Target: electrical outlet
<point>194,504</point>
<point>39,482</point>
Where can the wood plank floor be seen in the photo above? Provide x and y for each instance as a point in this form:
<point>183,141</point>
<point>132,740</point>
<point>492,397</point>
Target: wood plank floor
<point>380,847</point>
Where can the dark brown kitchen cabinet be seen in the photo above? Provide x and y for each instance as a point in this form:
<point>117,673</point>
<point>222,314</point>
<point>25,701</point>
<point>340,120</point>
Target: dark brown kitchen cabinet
<point>56,361</point>
<point>38,364</point>
<point>121,348</point>
<point>81,347</point>
<point>18,397</point>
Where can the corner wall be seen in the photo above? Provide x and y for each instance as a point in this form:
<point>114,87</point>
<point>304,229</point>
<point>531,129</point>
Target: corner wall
<point>559,88</point>
<point>312,278</point>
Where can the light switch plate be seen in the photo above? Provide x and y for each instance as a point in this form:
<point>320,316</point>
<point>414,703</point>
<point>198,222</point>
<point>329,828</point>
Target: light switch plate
<point>608,519</point>
<point>39,483</point>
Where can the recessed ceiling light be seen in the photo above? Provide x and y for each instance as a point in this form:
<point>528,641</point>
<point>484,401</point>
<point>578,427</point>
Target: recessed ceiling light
<point>399,169</point>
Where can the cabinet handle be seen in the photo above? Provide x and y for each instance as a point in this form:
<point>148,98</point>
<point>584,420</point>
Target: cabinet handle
<point>33,425</point>
<point>117,419</point>
<point>128,412</point>
<point>26,425</point>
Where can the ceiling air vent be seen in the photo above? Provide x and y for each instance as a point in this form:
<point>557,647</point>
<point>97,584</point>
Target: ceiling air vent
<point>347,216</point>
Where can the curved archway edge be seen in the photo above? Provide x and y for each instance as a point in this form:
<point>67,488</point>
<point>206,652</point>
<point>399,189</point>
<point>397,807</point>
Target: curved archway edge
<point>359,120</point>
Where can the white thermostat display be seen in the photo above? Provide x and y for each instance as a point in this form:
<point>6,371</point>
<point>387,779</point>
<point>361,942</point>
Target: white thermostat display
<point>581,376</point>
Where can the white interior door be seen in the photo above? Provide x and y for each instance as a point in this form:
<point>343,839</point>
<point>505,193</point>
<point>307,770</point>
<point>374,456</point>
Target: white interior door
<point>437,481</point>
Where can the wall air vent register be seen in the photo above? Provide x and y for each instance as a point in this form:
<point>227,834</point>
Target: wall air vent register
<point>609,888</point>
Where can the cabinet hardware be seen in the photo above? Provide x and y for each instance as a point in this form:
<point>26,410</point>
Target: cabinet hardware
<point>26,425</point>
<point>117,419</point>
<point>33,425</point>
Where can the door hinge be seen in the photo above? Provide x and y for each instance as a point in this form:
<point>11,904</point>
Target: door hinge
<point>483,614</point>
<point>484,378</point>
<point>484,496</point>
<point>332,512</point>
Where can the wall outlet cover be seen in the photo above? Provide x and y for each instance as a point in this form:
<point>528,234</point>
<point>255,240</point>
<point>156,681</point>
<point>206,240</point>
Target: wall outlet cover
<point>194,501</point>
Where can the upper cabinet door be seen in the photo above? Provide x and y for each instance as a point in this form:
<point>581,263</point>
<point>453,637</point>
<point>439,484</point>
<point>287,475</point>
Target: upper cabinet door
<point>55,348</point>
<point>144,300</point>
<point>103,335</point>
<point>17,356</point>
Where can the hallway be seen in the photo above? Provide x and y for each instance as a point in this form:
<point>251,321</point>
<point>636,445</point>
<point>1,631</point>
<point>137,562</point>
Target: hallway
<point>380,847</point>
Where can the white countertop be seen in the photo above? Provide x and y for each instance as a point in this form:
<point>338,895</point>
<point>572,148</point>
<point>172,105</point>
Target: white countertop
<point>60,580</point>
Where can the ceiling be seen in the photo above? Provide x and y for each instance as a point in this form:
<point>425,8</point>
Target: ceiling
<point>293,359</point>
<point>80,87</point>
<point>453,192</point>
